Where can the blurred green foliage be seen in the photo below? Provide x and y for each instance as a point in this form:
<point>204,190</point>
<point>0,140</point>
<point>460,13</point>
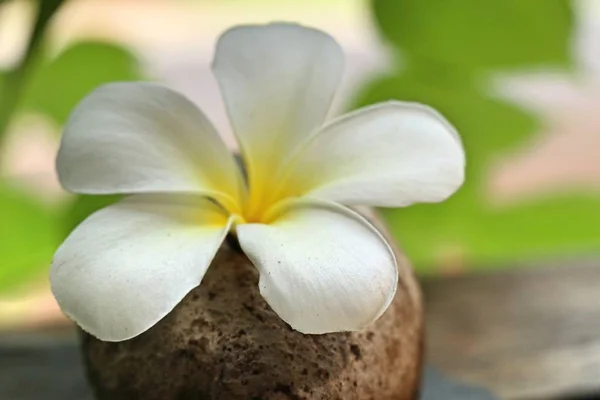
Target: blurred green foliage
<point>50,86</point>
<point>81,207</point>
<point>449,51</point>
<point>29,235</point>
<point>474,34</point>
<point>57,85</point>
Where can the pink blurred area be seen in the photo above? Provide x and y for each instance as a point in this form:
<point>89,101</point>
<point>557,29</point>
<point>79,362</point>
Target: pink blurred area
<point>566,153</point>
<point>175,40</point>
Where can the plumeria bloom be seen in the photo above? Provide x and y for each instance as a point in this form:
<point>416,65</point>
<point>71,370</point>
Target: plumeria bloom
<point>323,268</point>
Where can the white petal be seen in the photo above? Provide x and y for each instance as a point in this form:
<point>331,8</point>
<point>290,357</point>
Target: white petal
<point>277,81</point>
<point>323,268</point>
<point>128,265</point>
<point>140,138</point>
<point>391,154</point>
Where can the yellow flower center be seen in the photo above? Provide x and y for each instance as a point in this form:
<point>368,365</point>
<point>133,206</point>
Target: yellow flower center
<point>264,192</point>
<point>261,198</point>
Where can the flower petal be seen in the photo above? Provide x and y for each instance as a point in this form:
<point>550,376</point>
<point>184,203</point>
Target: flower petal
<point>323,268</point>
<point>128,265</point>
<point>140,138</point>
<point>391,154</point>
<point>277,81</point>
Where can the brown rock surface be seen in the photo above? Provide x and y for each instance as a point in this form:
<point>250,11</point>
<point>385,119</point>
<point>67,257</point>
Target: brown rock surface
<point>224,342</point>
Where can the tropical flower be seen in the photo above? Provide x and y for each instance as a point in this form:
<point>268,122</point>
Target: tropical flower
<point>323,268</point>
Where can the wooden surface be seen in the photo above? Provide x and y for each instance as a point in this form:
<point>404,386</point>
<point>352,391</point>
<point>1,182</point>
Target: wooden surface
<point>525,334</point>
<point>47,366</point>
<point>41,366</point>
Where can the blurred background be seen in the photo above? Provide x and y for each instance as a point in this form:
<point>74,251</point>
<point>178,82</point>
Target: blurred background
<point>519,79</point>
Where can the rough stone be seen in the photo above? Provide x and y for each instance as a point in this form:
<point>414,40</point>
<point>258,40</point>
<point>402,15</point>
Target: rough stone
<point>224,342</point>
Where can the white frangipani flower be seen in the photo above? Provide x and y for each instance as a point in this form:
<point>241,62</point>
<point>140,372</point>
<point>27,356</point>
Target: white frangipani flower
<point>323,267</point>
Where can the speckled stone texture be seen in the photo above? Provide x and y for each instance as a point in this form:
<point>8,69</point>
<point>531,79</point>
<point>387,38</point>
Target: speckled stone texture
<point>224,342</point>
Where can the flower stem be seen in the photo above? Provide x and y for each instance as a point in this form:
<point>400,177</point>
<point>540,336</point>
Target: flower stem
<point>12,86</point>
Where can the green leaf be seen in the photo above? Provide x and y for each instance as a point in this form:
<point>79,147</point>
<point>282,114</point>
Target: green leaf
<point>31,232</point>
<point>28,237</point>
<point>81,207</point>
<point>476,34</point>
<point>57,85</point>
<point>482,236</point>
